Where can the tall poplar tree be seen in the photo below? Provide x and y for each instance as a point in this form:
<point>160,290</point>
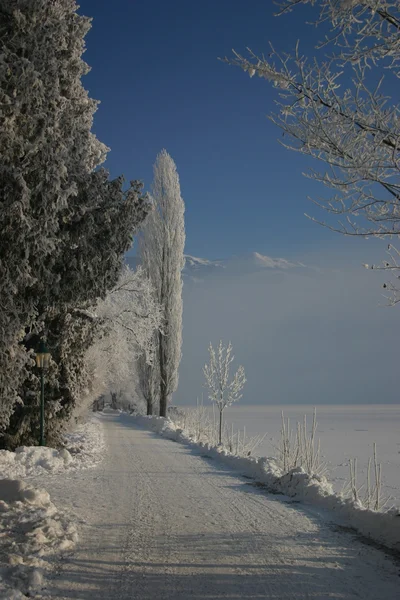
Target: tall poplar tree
<point>161,250</point>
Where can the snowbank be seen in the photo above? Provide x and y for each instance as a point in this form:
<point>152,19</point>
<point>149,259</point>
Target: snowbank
<point>382,527</point>
<point>32,530</point>
<point>31,527</point>
<point>83,449</point>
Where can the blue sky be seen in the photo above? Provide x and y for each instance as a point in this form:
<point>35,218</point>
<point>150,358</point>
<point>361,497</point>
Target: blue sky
<point>155,70</point>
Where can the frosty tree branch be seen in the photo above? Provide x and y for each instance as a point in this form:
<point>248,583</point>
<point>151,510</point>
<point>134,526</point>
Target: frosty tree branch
<point>363,30</point>
<point>129,317</point>
<point>331,110</point>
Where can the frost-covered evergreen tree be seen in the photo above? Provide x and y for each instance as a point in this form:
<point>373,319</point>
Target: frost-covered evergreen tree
<point>94,244</point>
<point>63,226</point>
<point>161,250</point>
<point>45,138</point>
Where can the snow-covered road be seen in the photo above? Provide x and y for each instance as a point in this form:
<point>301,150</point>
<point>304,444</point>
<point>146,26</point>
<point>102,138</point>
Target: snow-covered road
<point>160,522</point>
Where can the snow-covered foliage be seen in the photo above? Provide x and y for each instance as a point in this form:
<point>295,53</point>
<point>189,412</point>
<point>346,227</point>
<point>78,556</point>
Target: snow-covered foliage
<point>93,263</point>
<point>103,235</point>
<point>64,227</point>
<point>339,111</point>
<point>129,318</point>
<point>223,389</point>
<point>315,490</point>
<point>46,144</point>
<point>161,252</point>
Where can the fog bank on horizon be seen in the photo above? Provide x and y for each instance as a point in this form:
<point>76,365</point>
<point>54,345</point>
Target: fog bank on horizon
<point>303,336</point>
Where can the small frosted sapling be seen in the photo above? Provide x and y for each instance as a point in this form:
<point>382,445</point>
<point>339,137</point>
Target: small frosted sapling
<point>222,389</point>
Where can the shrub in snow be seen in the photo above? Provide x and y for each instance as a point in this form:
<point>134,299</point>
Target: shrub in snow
<point>301,449</point>
<point>204,428</point>
<point>161,253</point>
<point>371,496</point>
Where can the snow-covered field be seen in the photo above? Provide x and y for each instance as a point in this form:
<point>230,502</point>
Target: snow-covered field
<point>345,432</point>
<point>312,489</point>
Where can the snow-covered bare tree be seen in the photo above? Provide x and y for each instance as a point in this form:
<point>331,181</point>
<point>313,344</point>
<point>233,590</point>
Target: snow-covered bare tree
<point>222,389</point>
<point>129,317</point>
<point>161,244</point>
<point>64,227</point>
<point>338,109</point>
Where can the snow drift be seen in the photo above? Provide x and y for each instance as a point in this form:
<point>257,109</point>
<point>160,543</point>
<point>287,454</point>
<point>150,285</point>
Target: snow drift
<point>83,449</point>
<point>32,530</point>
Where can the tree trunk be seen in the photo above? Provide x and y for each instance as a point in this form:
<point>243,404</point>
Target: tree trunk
<point>163,378</point>
<point>163,399</point>
<point>149,402</point>
<point>220,427</point>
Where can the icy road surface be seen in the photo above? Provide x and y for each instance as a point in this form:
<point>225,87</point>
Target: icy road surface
<point>163,523</point>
